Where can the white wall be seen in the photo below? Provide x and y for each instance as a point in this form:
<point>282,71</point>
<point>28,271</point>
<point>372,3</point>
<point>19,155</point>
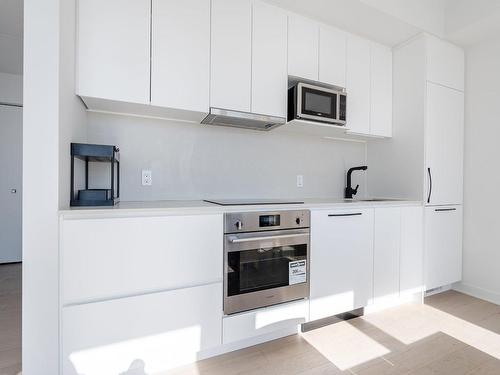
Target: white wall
<point>481,263</point>
<point>193,161</point>
<point>11,88</point>
<point>52,117</point>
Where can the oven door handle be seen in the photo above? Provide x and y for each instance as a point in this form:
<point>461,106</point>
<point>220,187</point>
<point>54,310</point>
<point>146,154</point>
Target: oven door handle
<point>263,238</point>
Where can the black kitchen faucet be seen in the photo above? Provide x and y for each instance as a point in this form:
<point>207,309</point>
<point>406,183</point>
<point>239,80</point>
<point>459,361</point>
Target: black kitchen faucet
<point>349,191</point>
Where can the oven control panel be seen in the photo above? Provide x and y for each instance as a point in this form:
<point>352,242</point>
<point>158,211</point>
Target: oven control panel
<point>262,221</point>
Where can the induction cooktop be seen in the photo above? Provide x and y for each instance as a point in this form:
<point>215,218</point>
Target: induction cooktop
<point>250,202</point>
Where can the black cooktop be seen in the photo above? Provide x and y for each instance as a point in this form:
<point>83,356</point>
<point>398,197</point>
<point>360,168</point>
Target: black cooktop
<point>250,202</point>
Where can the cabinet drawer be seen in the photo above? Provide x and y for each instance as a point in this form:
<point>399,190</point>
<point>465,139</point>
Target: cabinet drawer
<point>160,330</point>
<point>105,258</point>
<point>262,321</point>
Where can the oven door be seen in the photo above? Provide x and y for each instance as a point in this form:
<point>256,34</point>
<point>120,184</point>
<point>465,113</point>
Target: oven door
<point>320,104</point>
<point>265,268</point>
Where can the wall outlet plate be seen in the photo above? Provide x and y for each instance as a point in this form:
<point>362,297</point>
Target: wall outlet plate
<point>300,181</point>
<point>147,177</point>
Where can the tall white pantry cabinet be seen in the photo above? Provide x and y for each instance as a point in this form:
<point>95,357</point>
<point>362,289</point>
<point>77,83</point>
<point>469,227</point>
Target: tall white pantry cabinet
<point>424,160</point>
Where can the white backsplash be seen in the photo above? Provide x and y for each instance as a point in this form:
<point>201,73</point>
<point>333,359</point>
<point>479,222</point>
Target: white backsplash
<point>192,161</point>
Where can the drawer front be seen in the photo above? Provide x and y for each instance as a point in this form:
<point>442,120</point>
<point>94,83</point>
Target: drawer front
<point>159,330</point>
<point>119,257</point>
<point>262,321</point>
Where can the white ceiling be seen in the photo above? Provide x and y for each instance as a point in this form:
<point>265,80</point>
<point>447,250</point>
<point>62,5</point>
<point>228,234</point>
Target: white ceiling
<point>11,36</point>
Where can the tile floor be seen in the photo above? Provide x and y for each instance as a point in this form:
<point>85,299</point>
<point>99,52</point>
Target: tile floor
<point>452,334</point>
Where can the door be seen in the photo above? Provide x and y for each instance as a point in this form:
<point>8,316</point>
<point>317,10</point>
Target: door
<point>381,91</point>
<point>387,245</point>
<point>113,50</point>
<point>231,55</point>
<point>443,246</point>
<point>303,47</point>
<point>341,261</point>
<point>332,56</point>
<point>269,60</point>
<point>412,251</point>
<point>358,85</point>
<point>444,145</point>
<point>180,56</point>
<point>11,134</point>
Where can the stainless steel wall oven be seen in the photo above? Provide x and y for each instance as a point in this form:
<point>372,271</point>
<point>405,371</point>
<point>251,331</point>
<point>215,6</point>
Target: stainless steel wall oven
<point>266,258</point>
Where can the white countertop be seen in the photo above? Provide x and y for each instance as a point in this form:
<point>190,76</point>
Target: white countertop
<point>197,207</point>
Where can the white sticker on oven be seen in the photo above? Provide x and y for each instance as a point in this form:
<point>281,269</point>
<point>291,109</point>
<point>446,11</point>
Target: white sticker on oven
<point>297,272</point>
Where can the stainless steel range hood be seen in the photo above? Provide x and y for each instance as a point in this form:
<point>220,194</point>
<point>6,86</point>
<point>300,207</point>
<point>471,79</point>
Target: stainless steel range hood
<point>236,119</point>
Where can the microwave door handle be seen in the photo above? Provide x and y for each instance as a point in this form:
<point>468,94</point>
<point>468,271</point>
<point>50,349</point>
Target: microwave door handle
<point>263,238</point>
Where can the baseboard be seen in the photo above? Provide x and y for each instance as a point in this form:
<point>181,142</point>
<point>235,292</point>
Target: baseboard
<point>474,291</point>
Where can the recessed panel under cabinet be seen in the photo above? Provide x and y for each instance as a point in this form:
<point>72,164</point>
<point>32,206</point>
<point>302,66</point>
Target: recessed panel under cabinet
<point>443,246</point>
<point>358,85</point>
<point>158,331</point>
<point>231,54</point>
<point>180,56</point>
<point>444,135</point>
<point>341,261</point>
<point>332,56</point>
<point>303,47</point>
<point>113,50</point>
<point>381,91</point>
<point>269,60</point>
<point>115,257</point>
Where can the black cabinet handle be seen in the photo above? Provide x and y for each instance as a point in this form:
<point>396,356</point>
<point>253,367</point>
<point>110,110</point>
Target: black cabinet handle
<point>430,185</point>
<point>341,215</point>
<point>445,209</point>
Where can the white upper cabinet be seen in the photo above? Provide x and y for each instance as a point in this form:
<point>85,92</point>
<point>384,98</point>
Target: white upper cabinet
<point>303,47</point>
<point>381,91</point>
<point>341,261</point>
<point>269,60</point>
<point>180,57</point>
<point>444,145</point>
<point>358,85</point>
<point>443,246</point>
<point>332,56</point>
<point>387,244</point>
<point>113,39</point>
<point>445,63</point>
<point>231,54</point>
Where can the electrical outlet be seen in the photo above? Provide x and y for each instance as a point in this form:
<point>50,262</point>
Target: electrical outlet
<point>147,178</point>
<point>300,181</point>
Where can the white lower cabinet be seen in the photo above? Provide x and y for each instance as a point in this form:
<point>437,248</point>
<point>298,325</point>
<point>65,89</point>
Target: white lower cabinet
<point>341,261</point>
<point>387,245</point>
<point>143,334</point>
<point>443,245</point>
<point>412,251</point>
<point>263,321</point>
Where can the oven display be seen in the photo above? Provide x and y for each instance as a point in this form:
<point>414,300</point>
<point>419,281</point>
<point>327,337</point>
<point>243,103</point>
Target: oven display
<point>269,221</point>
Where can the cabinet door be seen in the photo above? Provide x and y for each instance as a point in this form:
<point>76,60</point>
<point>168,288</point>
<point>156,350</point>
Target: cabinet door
<point>387,244</point>
<point>332,56</point>
<point>126,256</point>
<point>303,47</point>
<point>445,63</point>
<point>269,60</point>
<point>381,91</point>
<point>341,261</point>
<point>231,54</point>
<point>180,60</point>
<point>159,331</point>
<point>412,251</point>
<point>443,245</point>
<point>113,50</point>
<point>444,145</point>
<point>358,85</point>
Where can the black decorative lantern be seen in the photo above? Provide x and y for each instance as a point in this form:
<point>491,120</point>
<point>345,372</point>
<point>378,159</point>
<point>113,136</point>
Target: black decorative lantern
<point>89,153</point>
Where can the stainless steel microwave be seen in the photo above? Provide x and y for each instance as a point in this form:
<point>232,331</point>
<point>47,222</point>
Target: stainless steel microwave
<point>316,103</point>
